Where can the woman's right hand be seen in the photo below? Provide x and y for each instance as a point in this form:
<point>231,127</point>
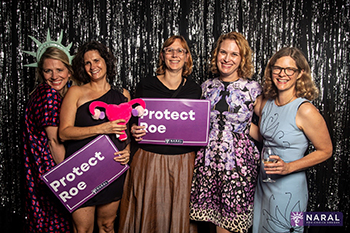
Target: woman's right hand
<point>113,127</point>
<point>138,132</point>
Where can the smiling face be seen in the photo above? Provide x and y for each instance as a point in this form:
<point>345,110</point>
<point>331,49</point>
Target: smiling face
<point>55,74</point>
<point>175,61</point>
<point>228,60</point>
<point>95,65</point>
<point>282,81</point>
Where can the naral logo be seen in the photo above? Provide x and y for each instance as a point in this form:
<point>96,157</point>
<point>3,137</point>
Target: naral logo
<point>99,187</point>
<point>174,141</point>
<point>297,219</point>
<point>316,218</point>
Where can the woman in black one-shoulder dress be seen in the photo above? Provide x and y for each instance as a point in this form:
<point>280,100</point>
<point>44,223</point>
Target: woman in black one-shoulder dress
<point>93,65</point>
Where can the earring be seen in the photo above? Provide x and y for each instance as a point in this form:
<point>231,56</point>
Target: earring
<point>69,83</point>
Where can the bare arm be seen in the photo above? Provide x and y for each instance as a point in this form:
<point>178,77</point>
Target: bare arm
<point>56,147</point>
<point>254,131</point>
<point>67,130</point>
<point>310,121</point>
<point>258,105</point>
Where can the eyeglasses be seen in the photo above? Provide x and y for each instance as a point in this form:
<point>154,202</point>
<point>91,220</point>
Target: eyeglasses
<point>170,51</point>
<point>289,71</point>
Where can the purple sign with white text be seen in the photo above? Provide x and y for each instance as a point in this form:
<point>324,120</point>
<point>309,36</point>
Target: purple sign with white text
<point>85,173</point>
<point>176,121</point>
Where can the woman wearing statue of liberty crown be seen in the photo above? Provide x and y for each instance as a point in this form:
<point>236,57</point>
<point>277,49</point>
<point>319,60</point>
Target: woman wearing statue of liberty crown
<point>42,149</point>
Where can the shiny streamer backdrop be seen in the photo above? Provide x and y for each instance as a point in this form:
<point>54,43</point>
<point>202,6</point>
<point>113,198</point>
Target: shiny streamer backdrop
<point>135,31</point>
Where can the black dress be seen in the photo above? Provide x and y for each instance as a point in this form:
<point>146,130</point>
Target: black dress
<point>83,118</point>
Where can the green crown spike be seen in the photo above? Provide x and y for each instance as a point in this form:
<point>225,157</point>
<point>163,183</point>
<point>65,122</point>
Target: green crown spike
<point>48,43</point>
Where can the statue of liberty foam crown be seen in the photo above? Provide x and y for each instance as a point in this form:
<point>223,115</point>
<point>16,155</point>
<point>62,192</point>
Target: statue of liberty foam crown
<point>48,43</point>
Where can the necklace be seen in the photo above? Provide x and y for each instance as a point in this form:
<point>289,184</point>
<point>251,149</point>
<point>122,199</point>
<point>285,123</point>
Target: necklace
<point>280,105</point>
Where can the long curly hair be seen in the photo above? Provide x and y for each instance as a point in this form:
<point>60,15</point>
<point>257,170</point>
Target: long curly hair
<point>246,68</point>
<point>305,86</point>
<point>57,54</point>
<point>187,69</point>
<point>79,65</point>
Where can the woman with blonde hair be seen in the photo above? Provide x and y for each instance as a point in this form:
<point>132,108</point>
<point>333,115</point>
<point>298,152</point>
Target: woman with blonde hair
<point>226,169</point>
<point>288,121</point>
<point>42,148</point>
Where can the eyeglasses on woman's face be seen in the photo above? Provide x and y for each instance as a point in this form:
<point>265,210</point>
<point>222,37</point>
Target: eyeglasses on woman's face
<point>171,51</point>
<point>289,71</point>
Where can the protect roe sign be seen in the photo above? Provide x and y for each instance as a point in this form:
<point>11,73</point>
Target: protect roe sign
<point>176,121</point>
<point>85,173</point>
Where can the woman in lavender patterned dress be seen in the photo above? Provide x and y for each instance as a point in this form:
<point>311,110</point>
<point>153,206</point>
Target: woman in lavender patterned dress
<point>226,169</point>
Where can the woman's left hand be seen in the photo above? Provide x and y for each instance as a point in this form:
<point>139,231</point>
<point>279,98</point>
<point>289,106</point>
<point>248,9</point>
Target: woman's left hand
<point>279,167</point>
<point>122,156</point>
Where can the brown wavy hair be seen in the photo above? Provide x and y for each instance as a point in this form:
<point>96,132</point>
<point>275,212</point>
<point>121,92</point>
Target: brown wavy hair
<point>79,64</point>
<point>57,54</point>
<point>187,69</point>
<point>305,86</point>
<point>246,68</point>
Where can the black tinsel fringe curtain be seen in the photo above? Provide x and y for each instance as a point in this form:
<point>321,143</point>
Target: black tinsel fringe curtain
<point>134,31</point>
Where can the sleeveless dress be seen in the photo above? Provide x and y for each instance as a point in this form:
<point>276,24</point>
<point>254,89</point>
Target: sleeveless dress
<point>43,211</point>
<point>226,169</point>
<point>114,191</point>
<point>274,202</point>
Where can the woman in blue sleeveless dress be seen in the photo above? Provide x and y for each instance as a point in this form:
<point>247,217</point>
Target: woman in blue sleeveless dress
<point>288,121</point>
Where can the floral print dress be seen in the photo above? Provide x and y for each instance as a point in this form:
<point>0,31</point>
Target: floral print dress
<point>226,169</point>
